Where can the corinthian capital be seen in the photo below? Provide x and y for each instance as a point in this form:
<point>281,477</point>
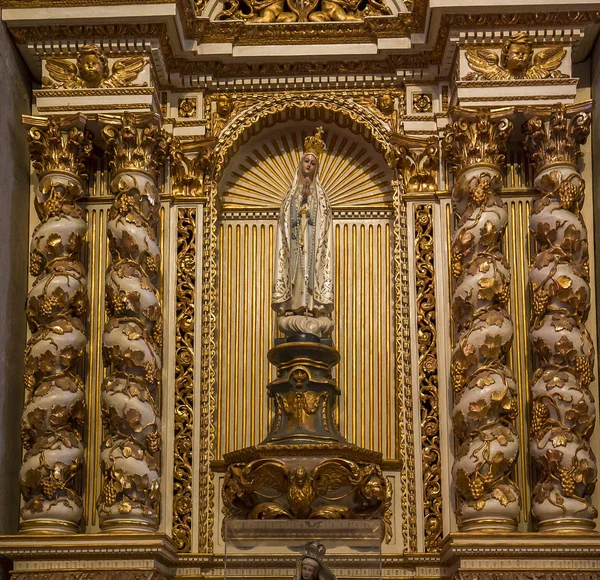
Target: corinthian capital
<point>555,135</point>
<point>59,144</point>
<point>135,142</point>
<point>477,136</point>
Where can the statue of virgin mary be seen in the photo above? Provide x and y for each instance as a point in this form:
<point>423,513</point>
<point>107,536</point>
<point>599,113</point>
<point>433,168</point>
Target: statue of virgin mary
<point>303,287</point>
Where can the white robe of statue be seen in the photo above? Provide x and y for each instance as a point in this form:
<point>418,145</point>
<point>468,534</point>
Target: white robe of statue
<point>303,287</point>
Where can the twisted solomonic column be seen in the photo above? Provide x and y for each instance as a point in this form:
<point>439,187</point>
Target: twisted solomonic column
<point>132,339</point>
<point>54,412</point>
<point>563,407</point>
<point>485,403</point>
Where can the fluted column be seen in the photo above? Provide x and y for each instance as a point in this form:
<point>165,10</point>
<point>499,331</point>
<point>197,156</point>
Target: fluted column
<point>132,340</point>
<point>54,412</point>
<point>563,407</point>
<point>485,403</point>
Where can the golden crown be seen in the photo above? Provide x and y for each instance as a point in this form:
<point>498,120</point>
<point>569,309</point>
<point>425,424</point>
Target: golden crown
<point>314,144</point>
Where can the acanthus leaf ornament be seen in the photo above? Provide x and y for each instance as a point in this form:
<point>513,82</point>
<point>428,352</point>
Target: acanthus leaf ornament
<point>417,162</point>
<point>516,61</point>
<point>91,70</point>
<point>190,165</point>
<point>563,409</point>
<point>54,412</point>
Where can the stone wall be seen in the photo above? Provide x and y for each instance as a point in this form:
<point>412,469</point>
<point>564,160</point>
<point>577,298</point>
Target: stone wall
<point>15,100</point>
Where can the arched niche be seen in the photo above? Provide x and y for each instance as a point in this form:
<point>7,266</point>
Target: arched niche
<point>252,183</point>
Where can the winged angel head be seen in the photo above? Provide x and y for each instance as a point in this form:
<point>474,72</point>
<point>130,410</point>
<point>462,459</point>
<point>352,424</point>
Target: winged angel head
<point>516,61</point>
<point>91,70</point>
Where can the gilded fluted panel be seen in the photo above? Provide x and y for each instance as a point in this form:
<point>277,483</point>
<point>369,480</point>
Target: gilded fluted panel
<point>246,328</point>
<point>364,332</point>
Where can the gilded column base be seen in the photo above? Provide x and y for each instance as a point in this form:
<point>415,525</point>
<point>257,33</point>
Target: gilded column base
<point>515,556</point>
<point>90,556</point>
<point>48,526</point>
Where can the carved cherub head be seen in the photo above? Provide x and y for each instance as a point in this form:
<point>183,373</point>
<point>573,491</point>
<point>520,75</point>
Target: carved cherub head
<point>516,55</point>
<point>92,65</point>
<point>385,103</point>
<point>224,106</point>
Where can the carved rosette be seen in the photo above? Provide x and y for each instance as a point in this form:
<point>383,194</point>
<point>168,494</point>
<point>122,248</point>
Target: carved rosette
<point>485,403</point>
<point>53,416</point>
<point>132,339</point>
<point>563,407</point>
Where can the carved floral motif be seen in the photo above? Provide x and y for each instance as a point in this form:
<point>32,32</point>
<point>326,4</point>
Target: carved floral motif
<point>133,335</point>
<point>485,404</point>
<point>428,377</point>
<point>184,378</point>
<point>564,412</point>
<point>54,412</point>
<point>91,70</point>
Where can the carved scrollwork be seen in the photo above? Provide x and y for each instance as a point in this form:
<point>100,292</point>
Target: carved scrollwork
<point>332,489</point>
<point>428,377</point>
<point>417,163</point>
<point>184,378</point>
<point>133,335</point>
<point>564,412</point>
<point>54,412</point>
<point>190,165</point>
<point>486,404</point>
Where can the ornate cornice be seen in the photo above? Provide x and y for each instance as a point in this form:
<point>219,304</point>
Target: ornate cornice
<point>239,34</point>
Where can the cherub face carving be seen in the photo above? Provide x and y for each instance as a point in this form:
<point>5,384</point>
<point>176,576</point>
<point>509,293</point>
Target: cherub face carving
<point>224,106</point>
<point>518,58</point>
<point>385,103</point>
<point>92,66</point>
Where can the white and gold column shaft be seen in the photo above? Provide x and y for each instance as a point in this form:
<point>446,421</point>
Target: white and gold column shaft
<point>564,414</point>
<point>485,391</point>
<point>54,412</point>
<point>130,460</point>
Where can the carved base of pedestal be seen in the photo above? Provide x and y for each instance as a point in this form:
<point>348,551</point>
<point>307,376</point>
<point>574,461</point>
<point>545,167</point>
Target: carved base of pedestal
<point>318,481</point>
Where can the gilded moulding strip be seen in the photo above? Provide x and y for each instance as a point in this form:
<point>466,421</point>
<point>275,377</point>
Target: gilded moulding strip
<point>208,374</point>
<point>405,435</point>
<point>428,377</point>
<point>184,378</point>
